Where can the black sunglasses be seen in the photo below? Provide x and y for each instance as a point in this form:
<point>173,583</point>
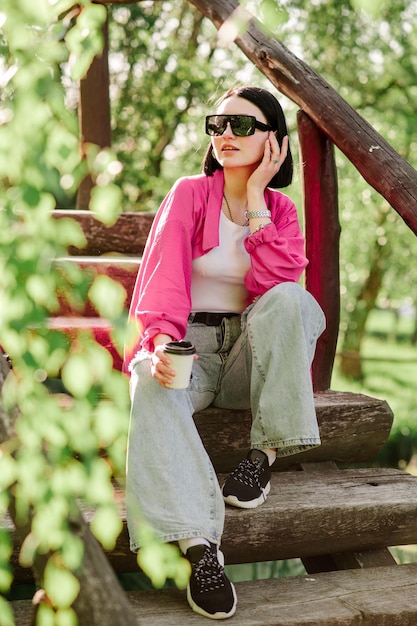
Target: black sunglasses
<point>241,125</point>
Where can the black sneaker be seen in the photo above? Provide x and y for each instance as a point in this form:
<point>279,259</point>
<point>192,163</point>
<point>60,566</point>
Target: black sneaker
<point>209,592</point>
<point>249,484</point>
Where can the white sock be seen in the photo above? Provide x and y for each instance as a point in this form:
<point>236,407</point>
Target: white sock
<point>184,544</point>
<point>271,453</point>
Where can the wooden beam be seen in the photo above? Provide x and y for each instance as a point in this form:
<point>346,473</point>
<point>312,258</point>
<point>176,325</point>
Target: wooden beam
<point>322,231</point>
<point>127,236</point>
<point>355,137</point>
<point>94,112</point>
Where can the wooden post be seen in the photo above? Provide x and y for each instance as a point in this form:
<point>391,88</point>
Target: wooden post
<point>94,111</point>
<point>322,231</point>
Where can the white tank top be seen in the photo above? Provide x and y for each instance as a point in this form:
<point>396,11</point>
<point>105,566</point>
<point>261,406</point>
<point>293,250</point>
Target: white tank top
<point>217,282</point>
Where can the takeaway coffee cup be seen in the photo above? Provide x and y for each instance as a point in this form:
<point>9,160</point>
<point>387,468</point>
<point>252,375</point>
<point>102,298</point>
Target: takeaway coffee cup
<point>181,354</point>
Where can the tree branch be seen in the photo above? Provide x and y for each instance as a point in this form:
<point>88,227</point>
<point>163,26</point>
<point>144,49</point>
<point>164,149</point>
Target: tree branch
<point>375,159</point>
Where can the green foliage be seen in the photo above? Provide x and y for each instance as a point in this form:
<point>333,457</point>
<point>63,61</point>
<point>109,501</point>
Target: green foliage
<point>389,364</point>
<point>55,457</point>
<point>165,68</point>
<point>161,561</point>
<point>368,61</point>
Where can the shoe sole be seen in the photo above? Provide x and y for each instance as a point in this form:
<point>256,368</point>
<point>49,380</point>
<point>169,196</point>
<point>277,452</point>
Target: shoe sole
<point>219,614</point>
<point>249,504</point>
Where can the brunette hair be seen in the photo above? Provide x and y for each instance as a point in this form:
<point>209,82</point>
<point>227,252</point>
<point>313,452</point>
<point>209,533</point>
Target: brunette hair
<point>274,115</point>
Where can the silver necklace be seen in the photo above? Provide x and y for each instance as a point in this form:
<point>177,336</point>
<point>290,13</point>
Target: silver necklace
<point>230,212</point>
<point>228,207</point>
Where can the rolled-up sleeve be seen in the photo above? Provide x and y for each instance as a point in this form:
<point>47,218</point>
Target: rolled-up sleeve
<point>276,251</point>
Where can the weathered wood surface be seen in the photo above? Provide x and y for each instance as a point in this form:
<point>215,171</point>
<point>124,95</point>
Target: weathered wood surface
<point>322,233</point>
<point>343,560</point>
<point>305,515</point>
<point>353,429</point>
<point>312,514</point>
<point>127,236</point>
<point>121,269</point>
<point>384,596</point>
<point>351,133</point>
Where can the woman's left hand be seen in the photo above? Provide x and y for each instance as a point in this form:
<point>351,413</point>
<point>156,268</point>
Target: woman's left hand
<point>273,158</point>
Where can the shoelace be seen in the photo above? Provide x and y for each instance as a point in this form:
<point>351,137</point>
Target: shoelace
<point>209,573</point>
<point>248,472</point>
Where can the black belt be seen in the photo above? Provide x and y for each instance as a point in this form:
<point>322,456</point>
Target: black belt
<point>209,319</point>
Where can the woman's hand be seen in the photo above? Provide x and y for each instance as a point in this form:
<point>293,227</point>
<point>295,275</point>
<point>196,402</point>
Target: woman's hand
<point>160,366</point>
<point>160,361</point>
<point>272,159</point>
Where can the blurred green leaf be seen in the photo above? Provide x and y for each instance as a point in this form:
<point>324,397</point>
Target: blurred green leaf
<point>108,296</point>
<point>61,586</point>
<point>66,617</point>
<point>8,470</point>
<point>6,550</point>
<point>106,202</point>
<point>372,7</point>
<point>161,561</point>
<point>45,615</point>
<point>98,488</point>
<point>85,40</point>
<point>6,613</point>
<point>77,375</point>
<point>107,422</point>
<point>107,526</point>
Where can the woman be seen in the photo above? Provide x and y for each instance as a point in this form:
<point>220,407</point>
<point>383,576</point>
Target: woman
<point>220,269</point>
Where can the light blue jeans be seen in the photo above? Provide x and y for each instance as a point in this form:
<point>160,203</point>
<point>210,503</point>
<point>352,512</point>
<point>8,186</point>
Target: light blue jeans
<point>260,360</point>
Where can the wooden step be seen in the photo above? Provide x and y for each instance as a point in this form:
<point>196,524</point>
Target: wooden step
<point>121,269</point>
<point>127,236</point>
<point>99,329</point>
<point>353,428</point>
<point>383,596</point>
<point>305,515</point>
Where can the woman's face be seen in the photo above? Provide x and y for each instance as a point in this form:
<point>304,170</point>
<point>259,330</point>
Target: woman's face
<point>233,151</point>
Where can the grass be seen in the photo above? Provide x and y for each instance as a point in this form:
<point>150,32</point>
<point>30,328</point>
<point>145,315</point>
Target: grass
<point>390,373</point>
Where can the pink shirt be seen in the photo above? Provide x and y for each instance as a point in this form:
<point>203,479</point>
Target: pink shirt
<point>186,227</point>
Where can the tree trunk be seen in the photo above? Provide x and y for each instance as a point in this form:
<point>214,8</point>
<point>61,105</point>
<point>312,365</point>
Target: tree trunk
<point>101,601</point>
<point>353,135</point>
<point>350,364</point>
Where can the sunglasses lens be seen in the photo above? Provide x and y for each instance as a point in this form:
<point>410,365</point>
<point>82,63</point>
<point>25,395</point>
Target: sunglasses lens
<point>242,125</point>
<point>214,125</point>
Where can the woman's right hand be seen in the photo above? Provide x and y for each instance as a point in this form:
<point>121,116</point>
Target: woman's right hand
<point>160,361</point>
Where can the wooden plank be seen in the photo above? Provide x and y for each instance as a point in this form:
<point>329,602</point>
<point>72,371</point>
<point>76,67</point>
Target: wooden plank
<point>353,429</point>
<point>306,518</point>
<point>322,231</point>
<point>310,515</point>
<point>123,270</point>
<point>305,515</point>
<point>384,596</point>
<point>127,236</point>
<point>343,560</point>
